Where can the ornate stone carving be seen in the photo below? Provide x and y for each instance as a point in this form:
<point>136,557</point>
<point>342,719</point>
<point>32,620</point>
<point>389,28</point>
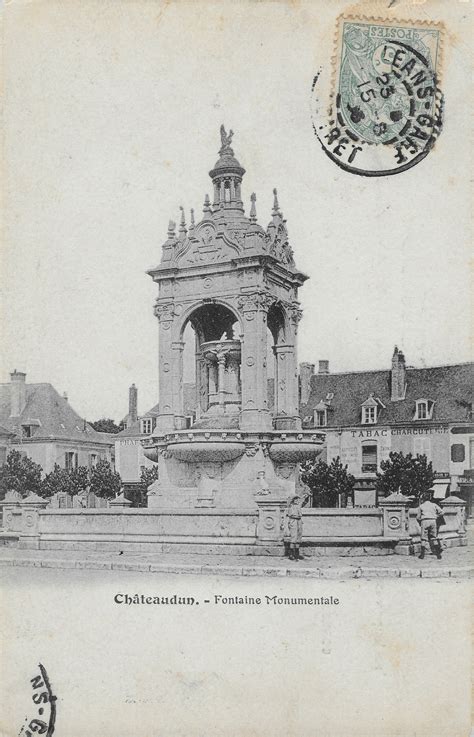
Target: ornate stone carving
<point>279,246</point>
<point>251,449</point>
<point>256,301</point>
<point>296,313</point>
<point>163,310</point>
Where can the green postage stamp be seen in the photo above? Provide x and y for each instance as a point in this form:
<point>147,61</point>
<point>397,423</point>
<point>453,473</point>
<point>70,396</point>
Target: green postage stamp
<point>385,105</point>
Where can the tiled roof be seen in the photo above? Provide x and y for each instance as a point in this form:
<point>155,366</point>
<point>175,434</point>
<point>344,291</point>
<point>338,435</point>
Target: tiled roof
<point>50,414</point>
<point>449,387</point>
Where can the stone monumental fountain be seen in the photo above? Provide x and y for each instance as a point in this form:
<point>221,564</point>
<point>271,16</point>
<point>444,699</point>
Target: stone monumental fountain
<point>236,284</point>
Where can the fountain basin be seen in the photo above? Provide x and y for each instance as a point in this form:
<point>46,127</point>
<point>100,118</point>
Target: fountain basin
<point>205,451</point>
<point>290,452</point>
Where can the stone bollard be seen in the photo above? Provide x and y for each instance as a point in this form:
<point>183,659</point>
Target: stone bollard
<point>271,513</point>
<point>395,509</point>
<point>120,502</point>
<point>455,517</point>
<point>9,505</point>
<point>31,506</point>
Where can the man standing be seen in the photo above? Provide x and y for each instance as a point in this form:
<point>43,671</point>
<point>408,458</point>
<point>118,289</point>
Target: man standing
<point>295,524</point>
<point>428,515</point>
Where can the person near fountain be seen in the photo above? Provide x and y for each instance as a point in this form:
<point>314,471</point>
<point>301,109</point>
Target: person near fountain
<point>428,515</point>
<point>295,523</point>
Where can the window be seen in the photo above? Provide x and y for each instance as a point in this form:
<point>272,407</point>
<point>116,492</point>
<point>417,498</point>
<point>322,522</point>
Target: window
<point>93,460</point>
<point>424,409</point>
<point>320,418</point>
<point>369,458</point>
<point>458,453</point>
<point>147,426</point>
<point>70,460</point>
<point>369,415</point>
<point>422,447</point>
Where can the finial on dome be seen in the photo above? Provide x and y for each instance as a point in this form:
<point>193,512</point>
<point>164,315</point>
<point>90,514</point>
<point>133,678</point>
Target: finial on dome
<point>253,209</point>
<point>207,204</point>
<point>192,219</point>
<point>171,229</point>
<point>182,224</point>
<point>276,206</point>
<point>226,140</point>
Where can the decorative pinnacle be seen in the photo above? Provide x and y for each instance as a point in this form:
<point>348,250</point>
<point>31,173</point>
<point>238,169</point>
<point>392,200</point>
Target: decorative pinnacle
<point>171,229</point>
<point>182,224</point>
<point>253,209</point>
<point>276,206</point>
<point>192,219</point>
<point>207,204</point>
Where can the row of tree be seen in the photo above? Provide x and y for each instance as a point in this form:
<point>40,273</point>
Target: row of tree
<point>331,483</point>
<point>23,475</point>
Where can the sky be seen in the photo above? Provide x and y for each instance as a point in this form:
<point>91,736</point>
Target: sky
<point>111,122</point>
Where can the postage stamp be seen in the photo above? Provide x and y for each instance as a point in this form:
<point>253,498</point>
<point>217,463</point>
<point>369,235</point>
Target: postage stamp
<point>383,111</point>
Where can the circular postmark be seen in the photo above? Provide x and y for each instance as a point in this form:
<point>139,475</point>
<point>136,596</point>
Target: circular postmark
<point>378,110</point>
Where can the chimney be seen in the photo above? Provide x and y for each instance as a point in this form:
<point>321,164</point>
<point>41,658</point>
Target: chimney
<point>323,367</point>
<point>398,378</point>
<point>132,405</point>
<point>306,372</point>
<point>65,396</point>
<point>17,393</point>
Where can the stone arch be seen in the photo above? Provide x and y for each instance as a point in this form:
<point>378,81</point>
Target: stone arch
<point>217,333</point>
<point>277,322</point>
<point>216,306</point>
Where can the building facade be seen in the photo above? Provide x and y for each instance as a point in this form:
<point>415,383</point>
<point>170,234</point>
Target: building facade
<point>130,458</point>
<point>368,414</point>
<point>42,424</point>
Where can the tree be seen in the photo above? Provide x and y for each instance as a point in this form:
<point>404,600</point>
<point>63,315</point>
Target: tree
<point>104,482</point>
<point>21,474</point>
<point>106,425</point>
<point>148,476</point>
<point>410,475</point>
<point>69,481</point>
<point>327,482</point>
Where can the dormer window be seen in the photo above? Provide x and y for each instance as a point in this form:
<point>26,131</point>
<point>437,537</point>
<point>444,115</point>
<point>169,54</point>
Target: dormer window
<point>147,426</point>
<point>369,411</point>
<point>424,409</point>
<point>321,418</point>
<point>29,428</point>
<point>369,415</point>
<point>321,414</point>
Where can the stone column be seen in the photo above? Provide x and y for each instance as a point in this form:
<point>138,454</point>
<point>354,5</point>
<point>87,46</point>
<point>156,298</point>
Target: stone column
<point>286,388</point>
<point>164,313</point>
<point>31,506</point>
<point>255,413</point>
<point>221,379</point>
<point>395,508</point>
<point>177,348</point>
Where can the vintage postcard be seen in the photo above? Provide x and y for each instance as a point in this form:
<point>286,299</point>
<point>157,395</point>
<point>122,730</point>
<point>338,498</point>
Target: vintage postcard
<point>236,399</point>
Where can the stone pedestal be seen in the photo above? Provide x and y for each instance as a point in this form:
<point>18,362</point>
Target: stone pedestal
<point>31,506</point>
<point>9,505</point>
<point>396,520</point>
<point>270,525</point>
<point>455,518</point>
<point>120,502</point>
